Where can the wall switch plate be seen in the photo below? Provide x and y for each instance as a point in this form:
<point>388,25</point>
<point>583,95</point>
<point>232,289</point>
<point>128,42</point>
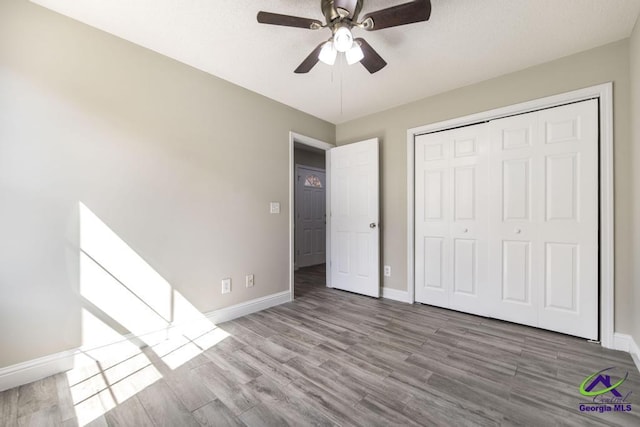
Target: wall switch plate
<point>249,280</point>
<point>387,270</point>
<point>274,207</point>
<point>226,286</point>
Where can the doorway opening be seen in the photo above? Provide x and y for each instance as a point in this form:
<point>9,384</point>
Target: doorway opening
<point>308,206</point>
<point>309,213</point>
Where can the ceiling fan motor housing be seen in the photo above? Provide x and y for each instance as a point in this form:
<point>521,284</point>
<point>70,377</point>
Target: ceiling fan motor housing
<point>340,9</point>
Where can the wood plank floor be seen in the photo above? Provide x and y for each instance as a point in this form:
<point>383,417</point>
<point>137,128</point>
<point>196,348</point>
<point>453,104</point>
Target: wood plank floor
<point>335,358</point>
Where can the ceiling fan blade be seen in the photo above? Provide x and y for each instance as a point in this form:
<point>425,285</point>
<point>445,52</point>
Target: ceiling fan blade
<point>310,61</point>
<point>402,14</point>
<point>371,61</point>
<point>288,21</point>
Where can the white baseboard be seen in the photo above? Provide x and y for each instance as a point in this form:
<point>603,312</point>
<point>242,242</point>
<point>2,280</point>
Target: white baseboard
<point>35,369</point>
<point>624,342</point>
<point>635,353</point>
<point>396,295</point>
<point>242,309</point>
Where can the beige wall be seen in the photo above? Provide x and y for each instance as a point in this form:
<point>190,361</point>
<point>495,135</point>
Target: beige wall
<point>635,180</point>
<point>179,164</point>
<point>603,64</point>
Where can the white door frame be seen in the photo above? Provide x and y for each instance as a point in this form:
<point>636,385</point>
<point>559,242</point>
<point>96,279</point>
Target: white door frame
<point>604,93</point>
<point>316,143</point>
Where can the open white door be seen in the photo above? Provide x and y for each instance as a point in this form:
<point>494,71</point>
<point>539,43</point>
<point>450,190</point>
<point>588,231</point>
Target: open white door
<point>355,237</point>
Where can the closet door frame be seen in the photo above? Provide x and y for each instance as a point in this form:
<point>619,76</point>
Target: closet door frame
<point>604,93</point>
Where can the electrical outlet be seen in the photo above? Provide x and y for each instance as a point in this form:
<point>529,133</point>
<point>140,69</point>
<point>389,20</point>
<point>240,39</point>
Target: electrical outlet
<point>249,280</point>
<point>387,270</point>
<point>226,286</point>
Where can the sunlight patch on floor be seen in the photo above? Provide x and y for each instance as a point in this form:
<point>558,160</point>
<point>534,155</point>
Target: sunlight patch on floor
<point>106,376</point>
<point>179,347</point>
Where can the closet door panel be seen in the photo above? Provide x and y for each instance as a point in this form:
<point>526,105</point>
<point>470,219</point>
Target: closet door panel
<point>468,230</point>
<point>569,223</point>
<point>514,171</point>
<point>432,217</point>
<point>451,234</point>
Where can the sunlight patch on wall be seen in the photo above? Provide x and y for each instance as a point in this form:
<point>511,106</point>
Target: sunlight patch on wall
<point>111,297</point>
<point>121,262</point>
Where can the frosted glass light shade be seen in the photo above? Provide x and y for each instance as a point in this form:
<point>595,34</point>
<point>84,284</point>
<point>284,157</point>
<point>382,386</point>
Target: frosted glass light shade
<point>328,54</point>
<point>354,54</point>
<point>342,39</point>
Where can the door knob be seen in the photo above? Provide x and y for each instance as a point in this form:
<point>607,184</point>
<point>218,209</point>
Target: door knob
<point>372,225</point>
<point>466,230</point>
<point>518,231</point>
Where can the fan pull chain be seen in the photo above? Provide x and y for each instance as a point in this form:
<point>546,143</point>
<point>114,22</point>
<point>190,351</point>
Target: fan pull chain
<point>333,72</point>
<point>341,97</point>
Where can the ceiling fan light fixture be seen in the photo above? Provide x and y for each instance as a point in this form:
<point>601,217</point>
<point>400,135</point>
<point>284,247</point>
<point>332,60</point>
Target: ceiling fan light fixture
<point>342,39</point>
<point>328,53</point>
<point>354,54</point>
<point>341,16</point>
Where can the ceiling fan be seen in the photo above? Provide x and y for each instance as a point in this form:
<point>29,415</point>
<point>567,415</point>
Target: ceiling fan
<point>341,17</point>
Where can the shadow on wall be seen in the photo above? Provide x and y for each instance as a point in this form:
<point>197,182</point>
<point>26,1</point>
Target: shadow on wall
<point>136,328</point>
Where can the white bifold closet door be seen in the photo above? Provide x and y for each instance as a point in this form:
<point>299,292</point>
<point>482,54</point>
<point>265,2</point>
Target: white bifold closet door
<point>536,261</point>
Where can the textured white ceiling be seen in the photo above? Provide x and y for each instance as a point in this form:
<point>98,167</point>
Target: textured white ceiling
<point>464,42</point>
